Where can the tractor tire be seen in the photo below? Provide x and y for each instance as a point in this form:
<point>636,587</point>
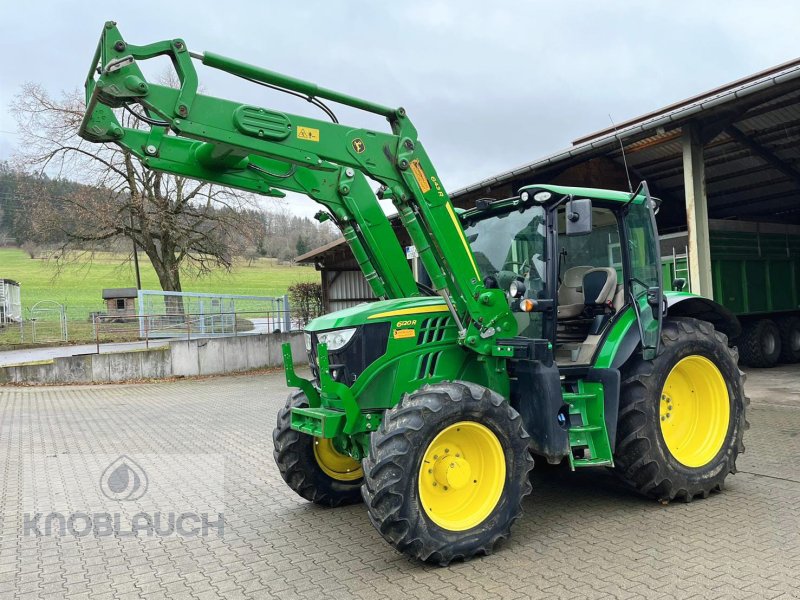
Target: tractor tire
<point>760,344</point>
<point>681,415</point>
<point>447,471</point>
<point>790,339</point>
<point>311,466</point>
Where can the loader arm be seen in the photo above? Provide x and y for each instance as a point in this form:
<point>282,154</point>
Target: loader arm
<point>264,151</point>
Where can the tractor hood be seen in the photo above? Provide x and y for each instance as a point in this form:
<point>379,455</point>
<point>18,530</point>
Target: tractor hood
<point>376,312</point>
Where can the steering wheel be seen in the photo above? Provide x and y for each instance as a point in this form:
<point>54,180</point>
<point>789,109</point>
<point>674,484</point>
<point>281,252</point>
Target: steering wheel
<point>512,263</point>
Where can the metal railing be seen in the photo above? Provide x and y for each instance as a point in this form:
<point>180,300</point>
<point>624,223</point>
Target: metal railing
<point>150,328</point>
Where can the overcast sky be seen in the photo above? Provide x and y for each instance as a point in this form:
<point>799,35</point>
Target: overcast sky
<point>489,84</point>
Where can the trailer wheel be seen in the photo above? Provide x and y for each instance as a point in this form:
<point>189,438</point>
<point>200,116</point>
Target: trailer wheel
<point>682,415</point>
<point>760,344</point>
<point>447,471</point>
<point>789,328</point>
<point>312,466</point>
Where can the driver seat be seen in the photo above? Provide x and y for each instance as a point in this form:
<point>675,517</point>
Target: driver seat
<point>599,288</point>
<point>571,300</point>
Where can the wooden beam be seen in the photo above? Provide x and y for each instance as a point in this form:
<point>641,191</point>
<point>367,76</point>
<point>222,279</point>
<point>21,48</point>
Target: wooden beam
<point>694,178</point>
<point>763,153</point>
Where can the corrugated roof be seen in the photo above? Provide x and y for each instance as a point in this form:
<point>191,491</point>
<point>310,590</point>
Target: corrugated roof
<point>309,256</point>
<point>656,131</point>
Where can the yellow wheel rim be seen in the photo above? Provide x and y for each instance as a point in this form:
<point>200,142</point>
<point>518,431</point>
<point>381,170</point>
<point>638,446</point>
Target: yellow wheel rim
<point>462,476</point>
<point>335,464</point>
<point>694,411</point>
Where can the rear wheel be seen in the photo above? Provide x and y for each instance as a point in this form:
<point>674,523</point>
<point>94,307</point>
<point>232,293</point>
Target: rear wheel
<point>760,343</point>
<point>789,328</point>
<point>313,467</point>
<point>447,472</point>
<point>682,415</point>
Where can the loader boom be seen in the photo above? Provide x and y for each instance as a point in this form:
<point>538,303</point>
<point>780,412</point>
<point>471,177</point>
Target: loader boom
<point>265,151</point>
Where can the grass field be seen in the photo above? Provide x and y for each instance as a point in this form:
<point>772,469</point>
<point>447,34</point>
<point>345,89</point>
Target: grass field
<point>79,286</point>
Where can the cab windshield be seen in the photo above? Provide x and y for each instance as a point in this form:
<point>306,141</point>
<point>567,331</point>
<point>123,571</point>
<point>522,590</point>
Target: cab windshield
<point>510,245</point>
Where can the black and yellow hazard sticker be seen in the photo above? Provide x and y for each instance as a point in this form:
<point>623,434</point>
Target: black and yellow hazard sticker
<point>308,134</point>
<point>358,145</point>
<point>419,175</point>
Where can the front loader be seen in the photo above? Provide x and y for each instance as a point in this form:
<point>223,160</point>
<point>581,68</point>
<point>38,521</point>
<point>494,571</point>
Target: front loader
<point>541,327</point>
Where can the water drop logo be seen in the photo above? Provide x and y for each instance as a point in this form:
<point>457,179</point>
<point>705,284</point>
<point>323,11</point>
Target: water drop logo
<point>123,480</point>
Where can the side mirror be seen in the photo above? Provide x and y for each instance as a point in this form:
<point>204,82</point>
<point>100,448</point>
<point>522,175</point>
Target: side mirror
<point>579,216</point>
<point>652,296</point>
<point>678,284</point>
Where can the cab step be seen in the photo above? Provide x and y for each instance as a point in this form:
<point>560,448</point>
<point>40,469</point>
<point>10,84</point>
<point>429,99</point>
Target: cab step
<point>587,432</point>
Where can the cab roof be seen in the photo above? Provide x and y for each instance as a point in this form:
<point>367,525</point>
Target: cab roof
<point>584,192</point>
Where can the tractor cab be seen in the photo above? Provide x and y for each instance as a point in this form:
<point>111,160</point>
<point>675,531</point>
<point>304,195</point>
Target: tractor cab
<point>570,260</point>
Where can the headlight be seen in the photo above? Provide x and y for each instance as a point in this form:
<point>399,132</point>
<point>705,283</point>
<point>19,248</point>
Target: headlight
<point>517,289</point>
<point>337,338</point>
<point>307,338</point>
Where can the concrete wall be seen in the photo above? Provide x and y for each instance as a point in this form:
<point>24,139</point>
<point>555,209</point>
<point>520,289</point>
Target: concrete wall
<point>208,356</point>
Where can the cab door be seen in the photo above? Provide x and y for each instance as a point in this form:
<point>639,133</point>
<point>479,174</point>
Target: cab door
<point>643,277</point>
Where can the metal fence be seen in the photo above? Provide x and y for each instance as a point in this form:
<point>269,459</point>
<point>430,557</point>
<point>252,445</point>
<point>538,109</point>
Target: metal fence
<point>213,314</point>
<point>157,328</point>
<point>159,315</point>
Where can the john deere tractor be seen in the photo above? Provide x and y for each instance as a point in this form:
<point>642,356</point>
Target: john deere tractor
<point>539,329</point>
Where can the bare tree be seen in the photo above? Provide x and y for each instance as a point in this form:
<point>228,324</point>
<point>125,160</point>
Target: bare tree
<point>180,224</point>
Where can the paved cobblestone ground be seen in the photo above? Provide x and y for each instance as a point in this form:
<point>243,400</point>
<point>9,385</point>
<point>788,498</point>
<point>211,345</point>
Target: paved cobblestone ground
<point>581,536</point>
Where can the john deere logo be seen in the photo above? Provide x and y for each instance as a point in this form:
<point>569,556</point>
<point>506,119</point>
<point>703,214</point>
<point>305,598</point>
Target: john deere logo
<point>358,145</point>
<point>124,480</point>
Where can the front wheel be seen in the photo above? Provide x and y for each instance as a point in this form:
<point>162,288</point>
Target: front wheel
<point>447,471</point>
<point>311,466</point>
<point>682,415</point>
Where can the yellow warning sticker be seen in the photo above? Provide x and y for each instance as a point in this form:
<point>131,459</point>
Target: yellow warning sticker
<point>419,175</point>
<point>308,134</point>
<point>401,334</point>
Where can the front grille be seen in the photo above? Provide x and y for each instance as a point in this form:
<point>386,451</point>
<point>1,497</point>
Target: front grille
<point>436,329</point>
<point>366,346</point>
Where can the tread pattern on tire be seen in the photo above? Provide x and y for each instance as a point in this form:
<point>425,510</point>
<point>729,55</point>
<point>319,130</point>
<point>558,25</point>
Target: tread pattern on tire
<point>294,455</point>
<point>389,470</point>
<point>788,326</point>
<point>641,459</point>
<point>750,345</point>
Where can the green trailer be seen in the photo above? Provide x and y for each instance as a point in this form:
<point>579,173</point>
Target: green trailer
<point>755,269</point>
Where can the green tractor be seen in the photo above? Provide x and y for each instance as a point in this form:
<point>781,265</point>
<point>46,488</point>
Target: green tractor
<point>541,328</point>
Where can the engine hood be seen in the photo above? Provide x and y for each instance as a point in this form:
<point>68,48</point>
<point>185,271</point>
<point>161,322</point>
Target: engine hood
<point>376,312</point>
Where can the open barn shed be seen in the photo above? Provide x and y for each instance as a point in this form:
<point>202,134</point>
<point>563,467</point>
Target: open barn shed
<point>726,165</point>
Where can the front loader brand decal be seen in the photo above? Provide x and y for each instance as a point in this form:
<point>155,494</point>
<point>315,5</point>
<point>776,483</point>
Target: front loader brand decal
<point>400,334</point>
<point>358,145</point>
<point>419,175</point>
<point>308,134</point>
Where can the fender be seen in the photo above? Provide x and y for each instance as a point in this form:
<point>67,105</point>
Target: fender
<point>682,304</point>
<point>679,304</point>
